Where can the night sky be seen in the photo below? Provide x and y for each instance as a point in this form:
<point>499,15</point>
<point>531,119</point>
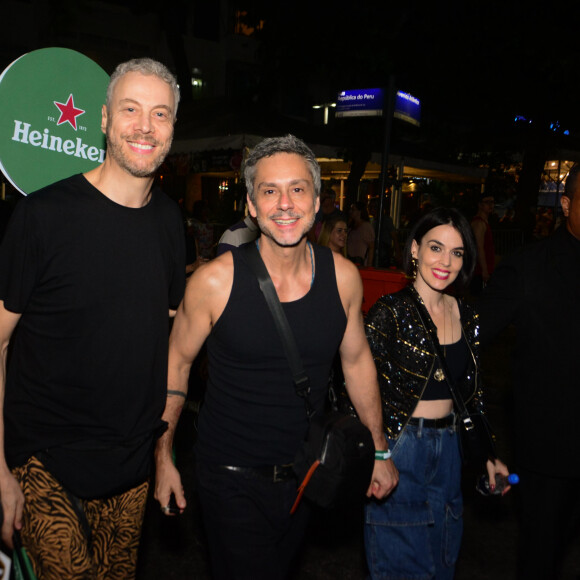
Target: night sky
<point>475,65</point>
<point>471,62</point>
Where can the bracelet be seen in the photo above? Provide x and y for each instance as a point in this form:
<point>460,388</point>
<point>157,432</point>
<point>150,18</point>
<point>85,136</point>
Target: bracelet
<point>173,393</point>
<point>382,455</point>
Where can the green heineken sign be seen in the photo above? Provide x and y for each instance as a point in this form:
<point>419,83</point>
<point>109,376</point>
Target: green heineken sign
<point>50,127</point>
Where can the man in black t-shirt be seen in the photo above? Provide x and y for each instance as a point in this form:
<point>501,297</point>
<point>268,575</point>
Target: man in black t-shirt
<point>90,269</point>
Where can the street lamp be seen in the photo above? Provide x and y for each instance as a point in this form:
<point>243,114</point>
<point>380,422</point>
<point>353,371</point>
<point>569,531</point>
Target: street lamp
<point>326,107</point>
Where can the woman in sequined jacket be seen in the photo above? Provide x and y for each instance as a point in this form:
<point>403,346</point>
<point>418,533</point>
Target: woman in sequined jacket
<point>405,357</point>
<point>416,532</point>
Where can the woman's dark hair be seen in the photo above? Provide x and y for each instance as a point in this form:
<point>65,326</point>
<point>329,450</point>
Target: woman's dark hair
<point>441,216</point>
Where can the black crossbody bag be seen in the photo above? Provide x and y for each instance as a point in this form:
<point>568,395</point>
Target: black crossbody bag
<point>336,459</point>
<point>476,441</point>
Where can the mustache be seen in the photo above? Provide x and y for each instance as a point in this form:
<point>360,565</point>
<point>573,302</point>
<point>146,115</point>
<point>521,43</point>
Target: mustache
<point>142,139</point>
<point>285,214</point>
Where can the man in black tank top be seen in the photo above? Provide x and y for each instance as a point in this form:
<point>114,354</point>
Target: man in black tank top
<point>252,422</point>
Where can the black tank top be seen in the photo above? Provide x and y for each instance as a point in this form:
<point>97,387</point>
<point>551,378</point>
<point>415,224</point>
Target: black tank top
<point>457,358</point>
<point>251,415</point>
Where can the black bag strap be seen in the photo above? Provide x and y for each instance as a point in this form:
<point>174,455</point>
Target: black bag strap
<point>455,394</point>
<point>301,380</point>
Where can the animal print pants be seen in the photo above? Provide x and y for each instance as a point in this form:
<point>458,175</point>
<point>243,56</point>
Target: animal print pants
<point>63,544</point>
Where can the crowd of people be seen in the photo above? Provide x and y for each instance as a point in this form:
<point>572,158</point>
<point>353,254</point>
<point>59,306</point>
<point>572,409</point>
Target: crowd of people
<point>92,384</point>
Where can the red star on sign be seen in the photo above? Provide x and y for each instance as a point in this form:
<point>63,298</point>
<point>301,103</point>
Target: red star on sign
<point>68,112</point>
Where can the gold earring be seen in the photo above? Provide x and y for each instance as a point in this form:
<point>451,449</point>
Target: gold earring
<point>415,264</point>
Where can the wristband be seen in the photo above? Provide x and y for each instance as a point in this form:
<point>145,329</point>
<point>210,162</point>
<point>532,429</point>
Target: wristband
<point>382,455</point>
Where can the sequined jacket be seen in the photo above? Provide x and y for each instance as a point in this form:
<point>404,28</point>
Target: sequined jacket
<point>405,357</point>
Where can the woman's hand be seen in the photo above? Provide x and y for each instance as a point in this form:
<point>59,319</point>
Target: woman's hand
<point>494,468</point>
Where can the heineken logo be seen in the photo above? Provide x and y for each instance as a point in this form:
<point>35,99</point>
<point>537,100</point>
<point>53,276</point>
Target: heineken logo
<point>76,147</point>
<point>51,123</point>
<point>68,112</point>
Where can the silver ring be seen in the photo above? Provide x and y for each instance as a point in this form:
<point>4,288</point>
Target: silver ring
<point>165,509</point>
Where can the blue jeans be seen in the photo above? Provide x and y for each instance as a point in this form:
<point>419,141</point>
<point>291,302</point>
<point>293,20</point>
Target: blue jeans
<point>416,532</point>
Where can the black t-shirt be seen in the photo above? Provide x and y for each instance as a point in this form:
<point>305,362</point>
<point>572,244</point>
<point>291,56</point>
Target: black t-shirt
<point>93,281</point>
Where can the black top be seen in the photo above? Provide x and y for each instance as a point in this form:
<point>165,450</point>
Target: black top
<point>94,281</point>
<point>252,415</point>
<point>457,358</point>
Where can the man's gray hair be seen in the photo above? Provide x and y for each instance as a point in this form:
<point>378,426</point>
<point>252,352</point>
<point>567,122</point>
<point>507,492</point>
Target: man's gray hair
<point>273,145</point>
<point>145,66</point>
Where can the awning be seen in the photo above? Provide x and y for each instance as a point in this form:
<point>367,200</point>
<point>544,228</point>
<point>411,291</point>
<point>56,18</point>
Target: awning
<point>332,162</point>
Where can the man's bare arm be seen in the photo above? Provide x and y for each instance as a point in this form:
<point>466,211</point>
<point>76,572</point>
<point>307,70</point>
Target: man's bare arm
<point>205,297</point>
<point>10,492</point>
<point>360,373</point>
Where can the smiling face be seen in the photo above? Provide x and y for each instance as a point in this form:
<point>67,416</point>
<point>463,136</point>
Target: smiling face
<point>337,239</point>
<point>284,198</point>
<point>439,257</point>
<point>139,123</point>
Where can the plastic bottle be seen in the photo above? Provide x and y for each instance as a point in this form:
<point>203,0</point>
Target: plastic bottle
<point>501,482</point>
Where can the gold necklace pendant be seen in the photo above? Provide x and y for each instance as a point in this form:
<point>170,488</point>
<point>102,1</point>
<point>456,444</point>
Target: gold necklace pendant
<point>439,375</point>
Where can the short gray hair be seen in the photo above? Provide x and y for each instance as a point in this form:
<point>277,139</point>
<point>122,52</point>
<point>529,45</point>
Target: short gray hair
<point>145,66</point>
<point>273,145</point>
